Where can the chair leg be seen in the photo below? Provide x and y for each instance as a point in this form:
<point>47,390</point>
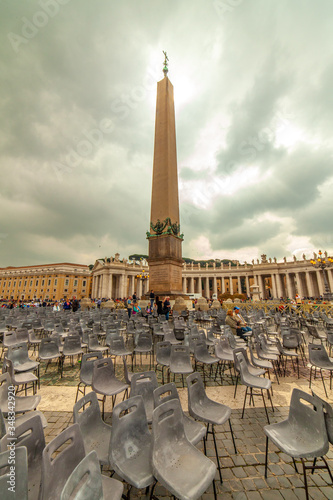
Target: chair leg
<point>216,452</point>
<point>232,435</point>
<point>244,402</point>
<point>322,378</point>
<point>305,480</point>
<point>263,398</point>
<point>266,457</point>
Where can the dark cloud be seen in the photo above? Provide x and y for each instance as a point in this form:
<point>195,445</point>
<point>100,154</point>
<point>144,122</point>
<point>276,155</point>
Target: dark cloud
<point>254,124</point>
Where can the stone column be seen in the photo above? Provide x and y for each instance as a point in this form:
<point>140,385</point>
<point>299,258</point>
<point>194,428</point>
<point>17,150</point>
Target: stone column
<point>215,285</point>
<point>330,279</point>
<point>320,281</point>
<point>200,285</point>
<point>231,286</point>
<point>191,284</point>
<point>247,282</point>
<point>223,284</point>
<point>300,287</point>
<point>184,285</point>
<point>139,288</point>
<point>289,286</point>
<point>101,286</point>
<point>309,282</point>
<point>279,286</point>
<point>261,287</point>
<point>274,290</point>
<point>131,285</point>
<point>207,294</point>
<point>239,284</point>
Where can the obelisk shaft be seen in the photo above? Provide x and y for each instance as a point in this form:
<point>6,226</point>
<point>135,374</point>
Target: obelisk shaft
<point>164,200</point>
<point>165,240</point>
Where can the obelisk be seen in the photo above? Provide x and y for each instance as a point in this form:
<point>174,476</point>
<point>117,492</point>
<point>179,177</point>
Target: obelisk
<point>165,241</point>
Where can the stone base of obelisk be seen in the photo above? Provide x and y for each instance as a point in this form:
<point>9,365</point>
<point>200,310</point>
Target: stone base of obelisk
<point>165,266</point>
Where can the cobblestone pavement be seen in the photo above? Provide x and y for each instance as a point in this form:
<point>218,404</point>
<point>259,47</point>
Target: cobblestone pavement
<point>242,473</point>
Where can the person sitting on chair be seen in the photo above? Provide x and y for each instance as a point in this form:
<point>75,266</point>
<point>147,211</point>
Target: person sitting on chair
<point>234,324</point>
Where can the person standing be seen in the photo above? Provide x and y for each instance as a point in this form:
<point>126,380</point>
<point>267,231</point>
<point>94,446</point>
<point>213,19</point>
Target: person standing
<point>134,298</point>
<point>166,307</point>
<point>152,298</point>
<point>159,305</point>
<point>129,306</point>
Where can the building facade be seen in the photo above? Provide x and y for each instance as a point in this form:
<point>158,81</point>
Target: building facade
<point>113,278</point>
<point>45,282</point>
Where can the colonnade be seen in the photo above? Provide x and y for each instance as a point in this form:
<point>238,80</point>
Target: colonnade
<point>119,279</point>
<point>118,285</point>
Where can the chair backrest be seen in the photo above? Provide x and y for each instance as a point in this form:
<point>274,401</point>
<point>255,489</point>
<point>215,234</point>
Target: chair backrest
<point>55,471</point>
<point>30,434</point>
<point>49,347</point>
<point>163,351</point>
<point>179,354</point>
<point>195,391</point>
<point>90,418</point>
<point>130,430</point>
<point>165,393</point>
<point>93,340</point>
<point>309,416</point>
<point>144,384</point>
<point>15,487</point>
<point>103,370</point>
<point>85,482</point>
<point>200,348</point>
<point>167,428</point>
<point>318,354</point>
<point>328,415</point>
<point>9,338</point>
<point>117,343</point>
<point>72,342</point>
<point>18,353</point>
<point>2,425</point>
<point>241,364</point>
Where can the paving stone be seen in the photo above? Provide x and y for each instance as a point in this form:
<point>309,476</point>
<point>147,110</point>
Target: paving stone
<point>248,484</point>
<point>253,495</point>
<point>288,494</point>
<point>275,469</point>
<point>327,491</point>
<point>239,472</point>
<point>260,483</point>
<point>272,495</point>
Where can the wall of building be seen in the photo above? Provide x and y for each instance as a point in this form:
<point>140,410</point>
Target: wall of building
<point>51,281</point>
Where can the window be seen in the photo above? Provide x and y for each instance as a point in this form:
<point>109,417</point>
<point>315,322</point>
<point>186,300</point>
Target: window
<point>66,282</point>
<point>75,282</point>
<point>48,282</point>
<point>37,281</point>
<point>66,290</point>
<point>20,284</point>
<point>48,291</point>
<point>55,282</point>
<point>84,283</point>
<point>30,283</point>
<point>54,289</point>
<point>25,283</point>
<point>43,281</point>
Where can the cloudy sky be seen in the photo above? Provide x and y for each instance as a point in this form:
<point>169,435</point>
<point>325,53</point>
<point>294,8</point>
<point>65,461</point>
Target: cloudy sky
<point>253,83</point>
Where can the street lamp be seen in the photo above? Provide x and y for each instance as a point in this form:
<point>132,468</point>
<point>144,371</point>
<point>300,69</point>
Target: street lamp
<point>323,264</point>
